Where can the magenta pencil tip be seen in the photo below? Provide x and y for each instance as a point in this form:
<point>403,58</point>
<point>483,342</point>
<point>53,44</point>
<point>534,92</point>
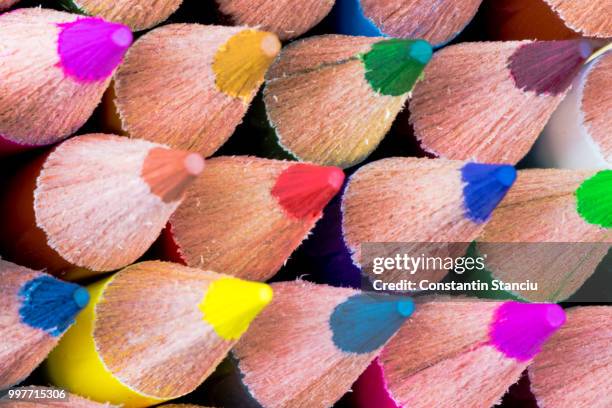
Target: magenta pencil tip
<point>90,48</point>
<point>520,329</point>
<point>122,37</point>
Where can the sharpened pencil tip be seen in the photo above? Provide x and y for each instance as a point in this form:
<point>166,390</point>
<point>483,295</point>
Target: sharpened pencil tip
<point>421,51</point>
<point>50,304</point>
<point>303,190</point>
<point>405,307</point>
<point>506,175</point>
<point>585,49</point>
<point>194,164</point>
<point>241,63</point>
<point>520,329</point>
<point>168,172</point>
<point>485,187</point>
<point>548,67</point>
<point>90,48</point>
<point>270,45</point>
<point>554,316</point>
<point>122,37</point>
<point>231,304</point>
<point>81,297</point>
<point>393,66</point>
<point>593,199</point>
<point>366,321</point>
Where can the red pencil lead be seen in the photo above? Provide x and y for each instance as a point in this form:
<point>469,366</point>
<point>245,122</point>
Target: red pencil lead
<point>303,190</point>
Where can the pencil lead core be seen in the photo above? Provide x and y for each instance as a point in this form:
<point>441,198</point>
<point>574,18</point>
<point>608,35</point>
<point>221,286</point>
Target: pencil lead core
<point>241,63</point>
<point>270,45</point>
<point>520,329</point>
<point>548,67</point>
<point>394,66</point>
<point>231,304</point>
<point>303,190</point>
<point>593,199</point>
<point>50,304</point>
<point>485,186</point>
<point>90,48</point>
<point>168,172</point>
<point>364,322</point>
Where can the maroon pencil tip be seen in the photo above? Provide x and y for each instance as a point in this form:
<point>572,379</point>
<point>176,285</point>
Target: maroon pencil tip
<point>90,48</point>
<point>303,190</point>
<point>548,67</point>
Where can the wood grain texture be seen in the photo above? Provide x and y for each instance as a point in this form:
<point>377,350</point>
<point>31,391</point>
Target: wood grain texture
<point>231,223</point>
<point>174,63</point>
<point>39,105</point>
<point>288,357</point>
<point>23,347</point>
<point>597,104</point>
<point>591,18</point>
<point>468,107</point>
<point>138,14</point>
<point>442,357</point>
<point>321,105</point>
<point>408,203</point>
<point>539,212</point>
<point>288,19</point>
<point>437,22</point>
<point>158,344</point>
<point>574,367</point>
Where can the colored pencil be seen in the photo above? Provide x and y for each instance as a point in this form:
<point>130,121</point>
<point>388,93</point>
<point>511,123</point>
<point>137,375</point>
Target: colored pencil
<point>574,367</point>
<point>55,68</point>
<point>35,310</point>
<point>5,4</point>
<point>331,99</point>
<point>490,101</point>
<point>543,209</point>
<point>455,353</point>
<point>203,79</point>
<point>416,203</point>
<point>548,19</point>
<point>591,18</point>
<point>138,14</point>
<point>153,332</point>
<point>288,19</point>
<point>509,20</point>
<point>182,406</point>
<point>70,401</point>
<point>313,341</point>
<point>577,135</point>
<point>437,23</point>
<point>245,215</point>
<point>96,202</point>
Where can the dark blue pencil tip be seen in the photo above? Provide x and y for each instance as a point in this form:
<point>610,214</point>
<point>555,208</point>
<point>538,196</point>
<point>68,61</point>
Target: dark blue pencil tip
<point>365,322</point>
<point>506,175</point>
<point>50,304</point>
<point>485,186</point>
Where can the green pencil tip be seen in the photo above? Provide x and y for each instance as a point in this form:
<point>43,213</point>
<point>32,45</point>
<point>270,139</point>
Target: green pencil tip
<point>393,66</point>
<point>593,199</point>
